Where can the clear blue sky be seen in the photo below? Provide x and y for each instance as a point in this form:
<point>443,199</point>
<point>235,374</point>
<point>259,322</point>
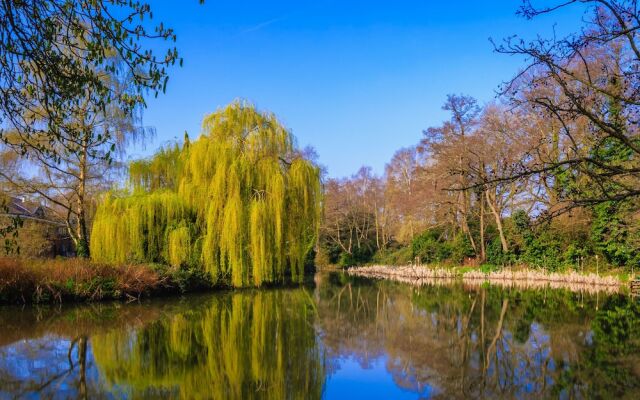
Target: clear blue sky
<point>355,79</point>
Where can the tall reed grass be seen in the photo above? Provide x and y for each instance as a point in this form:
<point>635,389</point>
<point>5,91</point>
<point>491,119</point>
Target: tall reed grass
<point>523,279</point>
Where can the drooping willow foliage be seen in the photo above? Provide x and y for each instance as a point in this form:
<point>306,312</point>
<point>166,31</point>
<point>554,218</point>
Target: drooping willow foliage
<point>240,202</point>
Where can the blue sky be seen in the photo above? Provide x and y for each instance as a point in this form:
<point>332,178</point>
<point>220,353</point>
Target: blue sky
<point>357,80</point>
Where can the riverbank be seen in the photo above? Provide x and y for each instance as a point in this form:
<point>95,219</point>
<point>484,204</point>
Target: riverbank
<point>68,280</point>
<point>521,278</point>
<point>24,281</point>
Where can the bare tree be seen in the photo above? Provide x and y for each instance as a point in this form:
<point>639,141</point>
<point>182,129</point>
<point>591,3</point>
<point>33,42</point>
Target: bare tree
<point>587,82</point>
<point>82,166</point>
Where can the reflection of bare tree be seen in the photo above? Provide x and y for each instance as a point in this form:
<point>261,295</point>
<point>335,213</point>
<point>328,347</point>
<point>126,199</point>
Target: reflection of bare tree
<point>47,381</point>
<point>491,355</point>
<point>82,362</point>
<point>52,344</point>
<point>492,346</point>
<point>461,343</point>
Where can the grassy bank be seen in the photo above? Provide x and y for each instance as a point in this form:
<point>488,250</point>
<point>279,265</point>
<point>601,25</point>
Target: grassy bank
<point>44,281</point>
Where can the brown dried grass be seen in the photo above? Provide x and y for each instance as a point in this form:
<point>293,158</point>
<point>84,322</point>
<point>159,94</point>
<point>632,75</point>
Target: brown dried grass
<point>27,280</point>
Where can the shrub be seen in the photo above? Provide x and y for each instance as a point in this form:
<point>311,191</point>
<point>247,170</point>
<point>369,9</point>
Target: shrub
<point>431,247</point>
<point>346,260</point>
<point>461,249</point>
<point>401,256</point>
<point>496,256</point>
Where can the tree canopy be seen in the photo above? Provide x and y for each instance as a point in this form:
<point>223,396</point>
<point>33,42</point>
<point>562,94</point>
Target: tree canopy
<point>53,55</point>
<point>241,202</point>
<point>547,175</point>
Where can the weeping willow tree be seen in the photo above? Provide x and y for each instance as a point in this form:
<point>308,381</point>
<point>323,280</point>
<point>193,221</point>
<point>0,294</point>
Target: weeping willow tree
<point>241,202</point>
<point>242,345</point>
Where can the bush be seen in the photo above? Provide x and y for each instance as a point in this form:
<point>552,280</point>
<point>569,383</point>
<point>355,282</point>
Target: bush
<point>496,256</point>
<point>401,256</point>
<point>430,247</point>
<point>611,234</point>
<point>346,260</point>
<point>461,249</point>
<point>358,256</point>
<point>574,253</point>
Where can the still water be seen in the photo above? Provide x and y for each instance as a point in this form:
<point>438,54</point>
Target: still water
<point>343,337</point>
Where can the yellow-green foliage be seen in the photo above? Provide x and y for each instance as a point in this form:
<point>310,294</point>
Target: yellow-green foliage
<point>162,171</point>
<point>241,202</point>
<point>133,228</point>
<point>179,246</point>
<point>242,345</point>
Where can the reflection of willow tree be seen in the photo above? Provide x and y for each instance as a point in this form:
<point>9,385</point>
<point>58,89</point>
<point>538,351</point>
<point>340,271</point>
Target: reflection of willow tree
<point>485,342</point>
<point>241,345</point>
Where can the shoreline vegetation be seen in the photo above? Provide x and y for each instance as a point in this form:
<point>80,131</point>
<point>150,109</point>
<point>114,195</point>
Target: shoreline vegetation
<point>518,278</point>
<point>75,280</point>
<point>47,281</point>
<point>39,281</point>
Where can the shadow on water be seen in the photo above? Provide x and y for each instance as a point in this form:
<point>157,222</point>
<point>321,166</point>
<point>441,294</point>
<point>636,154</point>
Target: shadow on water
<point>368,338</point>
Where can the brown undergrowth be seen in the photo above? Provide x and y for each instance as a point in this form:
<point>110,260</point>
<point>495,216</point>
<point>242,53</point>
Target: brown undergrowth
<point>42,281</point>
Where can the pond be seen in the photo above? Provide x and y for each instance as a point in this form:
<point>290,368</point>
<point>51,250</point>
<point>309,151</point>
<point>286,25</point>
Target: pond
<point>340,337</point>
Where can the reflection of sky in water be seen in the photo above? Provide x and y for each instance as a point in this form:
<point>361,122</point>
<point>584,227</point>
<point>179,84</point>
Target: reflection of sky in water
<point>399,352</point>
<point>353,381</point>
<point>30,364</point>
<point>531,366</point>
<point>43,364</point>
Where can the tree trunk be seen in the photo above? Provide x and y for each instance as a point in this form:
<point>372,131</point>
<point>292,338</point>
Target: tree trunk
<point>465,224</point>
<point>82,243</point>
<point>377,223</point>
<point>498,218</point>
<point>82,358</point>
<point>483,251</point>
<point>466,201</point>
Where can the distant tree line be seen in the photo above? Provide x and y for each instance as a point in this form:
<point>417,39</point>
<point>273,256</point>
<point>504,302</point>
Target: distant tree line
<point>548,174</point>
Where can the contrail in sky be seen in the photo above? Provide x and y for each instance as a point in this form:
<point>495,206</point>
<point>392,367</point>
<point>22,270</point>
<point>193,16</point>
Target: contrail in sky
<point>262,25</point>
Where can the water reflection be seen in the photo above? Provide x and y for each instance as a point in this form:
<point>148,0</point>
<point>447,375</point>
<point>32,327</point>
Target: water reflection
<point>488,342</point>
<point>371,339</point>
<point>244,345</point>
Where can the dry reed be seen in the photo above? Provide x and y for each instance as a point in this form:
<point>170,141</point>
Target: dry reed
<point>523,279</point>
